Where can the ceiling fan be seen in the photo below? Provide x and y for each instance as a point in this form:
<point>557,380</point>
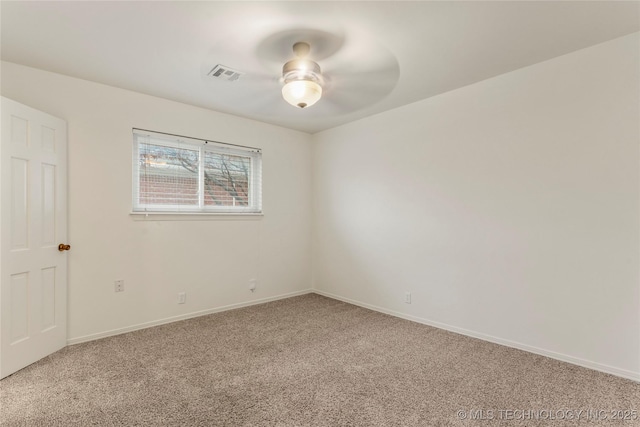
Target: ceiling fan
<point>333,72</point>
<point>340,72</point>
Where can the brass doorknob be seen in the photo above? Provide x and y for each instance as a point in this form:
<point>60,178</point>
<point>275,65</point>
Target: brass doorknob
<point>62,247</point>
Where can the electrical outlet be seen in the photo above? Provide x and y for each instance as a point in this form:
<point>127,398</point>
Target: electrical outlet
<point>118,285</point>
<point>252,285</point>
<point>182,297</point>
<point>407,297</point>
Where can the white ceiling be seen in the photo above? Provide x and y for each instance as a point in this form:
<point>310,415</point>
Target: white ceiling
<point>376,55</point>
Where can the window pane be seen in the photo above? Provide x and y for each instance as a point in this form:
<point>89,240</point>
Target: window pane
<point>186,175</point>
<point>168,176</point>
<point>226,179</point>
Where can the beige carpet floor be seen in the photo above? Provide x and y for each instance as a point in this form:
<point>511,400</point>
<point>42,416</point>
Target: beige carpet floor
<point>307,361</point>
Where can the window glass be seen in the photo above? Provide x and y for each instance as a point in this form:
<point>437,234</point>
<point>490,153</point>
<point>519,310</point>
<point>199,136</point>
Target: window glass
<point>178,174</point>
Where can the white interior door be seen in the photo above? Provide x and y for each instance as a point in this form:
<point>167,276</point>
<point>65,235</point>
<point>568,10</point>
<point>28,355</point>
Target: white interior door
<point>33,222</point>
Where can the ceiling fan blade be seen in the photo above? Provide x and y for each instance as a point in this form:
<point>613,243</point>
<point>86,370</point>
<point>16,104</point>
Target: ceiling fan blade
<point>349,92</point>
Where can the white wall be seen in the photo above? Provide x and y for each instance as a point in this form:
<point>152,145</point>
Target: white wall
<point>212,261</point>
<point>508,208</point>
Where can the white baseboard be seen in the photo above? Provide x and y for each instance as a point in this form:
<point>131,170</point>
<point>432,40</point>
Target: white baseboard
<point>145,325</point>
<point>635,376</point>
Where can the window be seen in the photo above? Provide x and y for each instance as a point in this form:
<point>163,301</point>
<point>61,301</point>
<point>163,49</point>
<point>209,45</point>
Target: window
<point>175,174</point>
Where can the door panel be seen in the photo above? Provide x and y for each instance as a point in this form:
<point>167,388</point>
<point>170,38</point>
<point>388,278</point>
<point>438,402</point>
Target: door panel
<point>48,293</point>
<point>33,221</point>
<point>19,297</point>
<point>19,204</point>
<point>48,205</point>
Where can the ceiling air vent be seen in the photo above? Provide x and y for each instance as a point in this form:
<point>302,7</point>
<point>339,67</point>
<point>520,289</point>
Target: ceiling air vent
<point>223,72</point>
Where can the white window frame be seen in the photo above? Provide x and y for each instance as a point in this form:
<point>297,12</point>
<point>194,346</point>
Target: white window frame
<point>254,206</point>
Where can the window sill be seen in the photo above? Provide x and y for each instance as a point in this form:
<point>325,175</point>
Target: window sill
<point>194,216</point>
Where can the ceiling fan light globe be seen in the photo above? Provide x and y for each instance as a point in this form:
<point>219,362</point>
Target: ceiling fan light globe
<point>302,93</point>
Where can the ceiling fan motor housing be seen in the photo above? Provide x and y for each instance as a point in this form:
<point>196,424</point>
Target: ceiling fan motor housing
<point>298,69</point>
